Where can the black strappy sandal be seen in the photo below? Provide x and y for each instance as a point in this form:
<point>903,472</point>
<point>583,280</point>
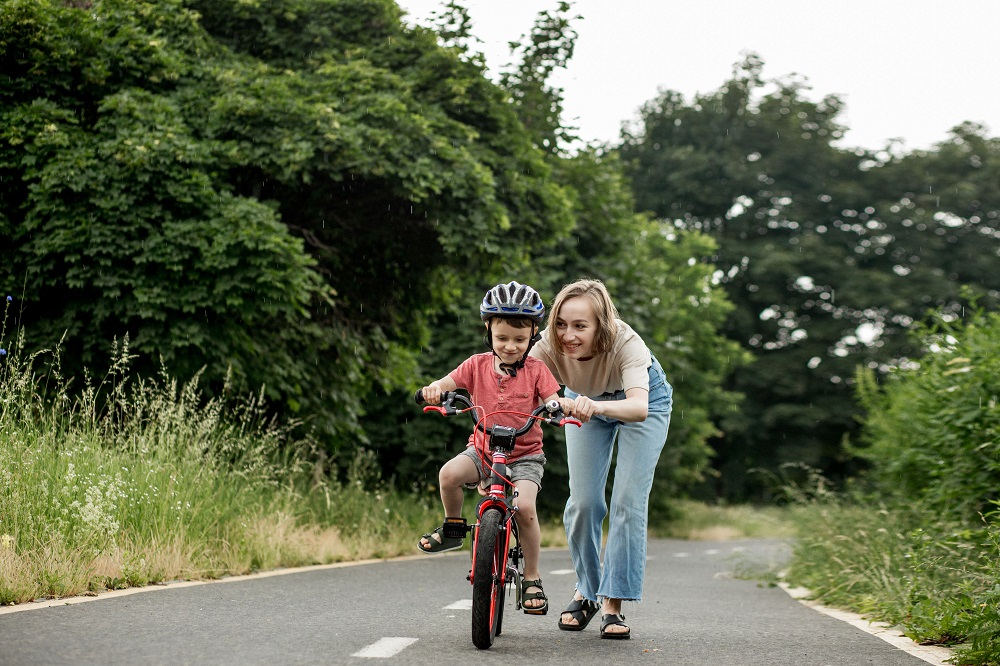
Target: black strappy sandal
<point>612,619</point>
<point>530,596</point>
<point>583,611</point>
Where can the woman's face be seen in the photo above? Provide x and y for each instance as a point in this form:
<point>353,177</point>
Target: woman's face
<point>576,327</point>
<point>509,342</point>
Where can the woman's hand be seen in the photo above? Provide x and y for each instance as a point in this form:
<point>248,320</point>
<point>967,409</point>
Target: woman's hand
<point>584,408</point>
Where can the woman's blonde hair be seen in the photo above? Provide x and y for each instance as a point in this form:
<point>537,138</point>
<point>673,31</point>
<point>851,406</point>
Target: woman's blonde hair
<point>604,310</point>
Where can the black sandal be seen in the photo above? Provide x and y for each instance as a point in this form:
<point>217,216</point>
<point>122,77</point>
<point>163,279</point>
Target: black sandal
<point>583,611</point>
<point>612,619</point>
<point>442,546</point>
<point>529,596</point>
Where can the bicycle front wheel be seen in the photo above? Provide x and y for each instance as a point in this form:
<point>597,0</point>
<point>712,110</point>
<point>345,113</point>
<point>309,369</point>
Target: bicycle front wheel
<point>489,569</point>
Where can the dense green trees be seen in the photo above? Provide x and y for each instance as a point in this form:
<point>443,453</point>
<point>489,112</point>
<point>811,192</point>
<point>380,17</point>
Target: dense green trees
<point>829,255</point>
<point>281,189</point>
<point>652,270</point>
<point>313,196</point>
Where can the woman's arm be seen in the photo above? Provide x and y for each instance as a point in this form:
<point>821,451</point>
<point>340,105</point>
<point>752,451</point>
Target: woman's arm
<point>633,409</point>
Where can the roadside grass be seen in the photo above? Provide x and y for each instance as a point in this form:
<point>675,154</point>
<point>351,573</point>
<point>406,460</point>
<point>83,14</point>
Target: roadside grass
<point>935,579</point>
<point>130,482</point>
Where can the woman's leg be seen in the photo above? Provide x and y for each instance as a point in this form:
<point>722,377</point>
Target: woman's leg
<point>589,459</point>
<point>639,446</point>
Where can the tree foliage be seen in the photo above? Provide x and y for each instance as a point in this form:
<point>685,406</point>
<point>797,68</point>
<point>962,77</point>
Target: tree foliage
<point>932,429</point>
<point>829,255</point>
<point>312,196</point>
<point>653,271</point>
<point>284,188</point>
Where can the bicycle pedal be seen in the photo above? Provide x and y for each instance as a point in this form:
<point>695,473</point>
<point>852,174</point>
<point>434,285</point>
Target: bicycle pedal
<point>455,528</point>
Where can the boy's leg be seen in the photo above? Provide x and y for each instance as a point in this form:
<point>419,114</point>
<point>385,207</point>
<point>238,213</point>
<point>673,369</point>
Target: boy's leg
<point>530,535</point>
<point>453,475</point>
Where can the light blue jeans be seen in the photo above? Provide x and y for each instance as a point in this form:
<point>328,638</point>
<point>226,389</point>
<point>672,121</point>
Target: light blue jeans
<point>589,451</point>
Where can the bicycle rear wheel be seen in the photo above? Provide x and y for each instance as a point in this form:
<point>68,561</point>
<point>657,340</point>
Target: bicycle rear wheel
<point>489,569</point>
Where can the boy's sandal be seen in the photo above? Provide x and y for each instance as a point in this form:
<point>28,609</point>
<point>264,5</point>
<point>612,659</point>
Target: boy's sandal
<point>439,546</point>
<point>612,619</point>
<point>528,596</point>
<point>583,611</point>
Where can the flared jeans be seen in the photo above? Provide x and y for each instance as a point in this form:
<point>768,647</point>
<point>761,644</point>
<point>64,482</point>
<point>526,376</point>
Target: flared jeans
<point>589,451</point>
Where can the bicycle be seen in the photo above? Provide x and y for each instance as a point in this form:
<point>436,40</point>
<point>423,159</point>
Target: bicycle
<point>497,558</point>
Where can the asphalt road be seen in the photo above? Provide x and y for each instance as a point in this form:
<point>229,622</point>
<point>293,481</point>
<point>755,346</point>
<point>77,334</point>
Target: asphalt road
<point>415,611</point>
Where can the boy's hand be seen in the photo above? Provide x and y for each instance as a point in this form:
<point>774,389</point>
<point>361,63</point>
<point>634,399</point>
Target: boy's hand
<point>432,394</point>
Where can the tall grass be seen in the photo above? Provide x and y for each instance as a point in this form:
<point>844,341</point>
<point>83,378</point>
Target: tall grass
<point>938,580</point>
<point>129,481</point>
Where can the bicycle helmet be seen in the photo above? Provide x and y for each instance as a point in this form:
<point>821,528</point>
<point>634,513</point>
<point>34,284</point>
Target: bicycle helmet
<point>509,301</point>
<point>513,300</point>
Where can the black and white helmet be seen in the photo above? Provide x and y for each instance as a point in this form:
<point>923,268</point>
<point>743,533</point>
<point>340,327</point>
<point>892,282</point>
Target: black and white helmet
<point>512,300</point>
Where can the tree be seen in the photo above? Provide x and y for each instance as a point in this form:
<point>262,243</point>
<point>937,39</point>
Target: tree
<point>816,249</point>
<point>651,269</point>
<point>291,206</point>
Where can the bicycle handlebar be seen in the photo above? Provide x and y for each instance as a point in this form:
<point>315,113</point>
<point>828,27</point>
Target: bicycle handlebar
<point>553,409</point>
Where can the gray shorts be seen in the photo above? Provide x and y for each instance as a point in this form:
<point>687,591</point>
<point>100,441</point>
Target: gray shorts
<point>525,468</point>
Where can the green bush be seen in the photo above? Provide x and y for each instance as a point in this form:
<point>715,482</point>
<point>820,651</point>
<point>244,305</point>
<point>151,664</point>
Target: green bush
<point>933,431</point>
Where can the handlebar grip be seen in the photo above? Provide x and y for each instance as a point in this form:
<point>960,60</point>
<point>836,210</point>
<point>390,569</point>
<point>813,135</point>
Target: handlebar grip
<point>418,397</point>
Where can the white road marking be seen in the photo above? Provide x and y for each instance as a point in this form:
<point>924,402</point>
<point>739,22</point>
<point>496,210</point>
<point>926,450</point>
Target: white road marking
<point>681,555</point>
<point>385,647</point>
<point>561,572</point>
<point>711,551</point>
<point>461,604</point>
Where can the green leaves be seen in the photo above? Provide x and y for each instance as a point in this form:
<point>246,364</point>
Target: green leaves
<point>268,187</point>
<point>829,255</point>
<point>933,430</point>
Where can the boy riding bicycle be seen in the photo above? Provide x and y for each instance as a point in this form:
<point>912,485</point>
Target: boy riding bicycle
<point>504,379</point>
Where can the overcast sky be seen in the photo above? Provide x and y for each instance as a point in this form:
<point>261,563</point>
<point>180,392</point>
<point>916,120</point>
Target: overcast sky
<point>907,69</point>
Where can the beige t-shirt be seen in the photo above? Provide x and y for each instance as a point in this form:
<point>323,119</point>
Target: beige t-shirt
<point>624,366</point>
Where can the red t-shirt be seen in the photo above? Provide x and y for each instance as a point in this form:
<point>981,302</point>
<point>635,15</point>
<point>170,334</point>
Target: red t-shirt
<point>494,391</point>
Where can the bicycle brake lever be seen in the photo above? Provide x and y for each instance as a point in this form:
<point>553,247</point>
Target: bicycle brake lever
<point>570,421</point>
<point>436,408</point>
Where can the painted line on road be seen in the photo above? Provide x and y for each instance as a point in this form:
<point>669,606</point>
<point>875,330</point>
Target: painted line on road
<point>932,654</point>
<point>461,604</point>
<point>384,648</point>
<point>561,572</point>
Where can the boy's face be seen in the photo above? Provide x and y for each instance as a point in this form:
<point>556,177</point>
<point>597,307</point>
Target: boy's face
<point>510,343</point>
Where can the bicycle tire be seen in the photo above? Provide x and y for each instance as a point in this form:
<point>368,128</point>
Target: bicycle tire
<point>489,569</point>
<point>514,570</point>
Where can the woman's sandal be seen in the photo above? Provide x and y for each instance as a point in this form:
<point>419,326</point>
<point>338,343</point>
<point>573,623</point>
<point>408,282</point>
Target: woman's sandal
<point>583,611</point>
<point>612,619</point>
<point>439,546</point>
<point>528,596</point>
